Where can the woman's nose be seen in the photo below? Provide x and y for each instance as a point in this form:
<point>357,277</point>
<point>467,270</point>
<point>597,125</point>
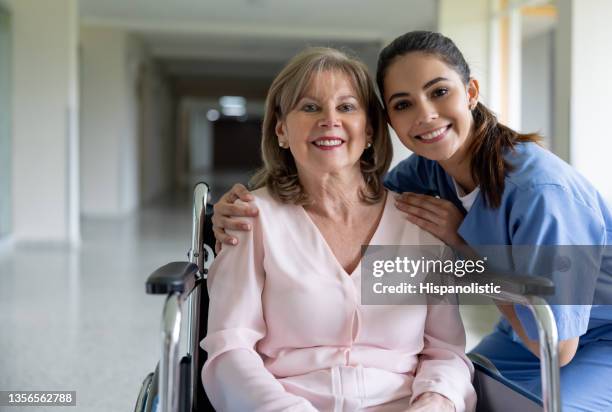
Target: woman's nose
<point>329,118</point>
<point>426,112</point>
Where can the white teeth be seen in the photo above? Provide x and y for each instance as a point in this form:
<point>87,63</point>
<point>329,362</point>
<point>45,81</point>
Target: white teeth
<point>434,134</point>
<point>334,142</point>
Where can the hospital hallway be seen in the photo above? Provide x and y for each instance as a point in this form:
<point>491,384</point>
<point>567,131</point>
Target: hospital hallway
<point>111,111</point>
<point>79,319</point>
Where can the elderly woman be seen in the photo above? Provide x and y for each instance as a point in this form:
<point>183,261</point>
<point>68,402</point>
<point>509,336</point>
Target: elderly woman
<point>286,327</point>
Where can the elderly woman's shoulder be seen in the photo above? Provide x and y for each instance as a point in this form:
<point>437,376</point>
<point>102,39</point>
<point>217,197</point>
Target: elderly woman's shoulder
<point>262,194</point>
<point>402,230</point>
<point>265,201</point>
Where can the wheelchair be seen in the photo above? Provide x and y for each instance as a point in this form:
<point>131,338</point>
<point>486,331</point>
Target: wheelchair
<point>175,386</point>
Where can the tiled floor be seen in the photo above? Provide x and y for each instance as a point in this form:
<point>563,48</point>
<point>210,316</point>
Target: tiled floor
<point>80,319</point>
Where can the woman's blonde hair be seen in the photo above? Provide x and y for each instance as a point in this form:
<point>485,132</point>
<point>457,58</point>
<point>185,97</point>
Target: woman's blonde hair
<point>279,172</point>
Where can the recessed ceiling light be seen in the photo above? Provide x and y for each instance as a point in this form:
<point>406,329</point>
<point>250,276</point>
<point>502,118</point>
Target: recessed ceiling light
<point>213,115</point>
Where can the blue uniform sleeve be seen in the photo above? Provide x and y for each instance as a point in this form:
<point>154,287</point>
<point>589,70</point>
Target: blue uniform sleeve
<point>411,175</point>
<point>551,215</point>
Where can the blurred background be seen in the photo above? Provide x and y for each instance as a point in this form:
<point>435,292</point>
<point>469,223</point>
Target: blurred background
<point>111,110</point>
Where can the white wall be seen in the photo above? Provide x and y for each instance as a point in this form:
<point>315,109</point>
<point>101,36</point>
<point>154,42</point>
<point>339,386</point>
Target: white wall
<point>45,91</point>
<point>466,23</point>
<point>133,54</point>
<point>126,148</point>
<point>156,136</point>
<point>104,120</point>
<point>590,91</point>
<point>563,75</point>
<point>537,84</point>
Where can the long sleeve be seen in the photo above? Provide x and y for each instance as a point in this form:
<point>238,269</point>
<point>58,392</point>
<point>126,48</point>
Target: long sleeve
<point>234,375</point>
<point>443,367</point>
<point>238,381</point>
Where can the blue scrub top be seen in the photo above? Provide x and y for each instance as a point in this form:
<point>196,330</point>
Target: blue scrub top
<point>545,202</point>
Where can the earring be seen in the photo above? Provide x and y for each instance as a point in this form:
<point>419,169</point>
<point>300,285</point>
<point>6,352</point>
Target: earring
<point>368,145</point>
<point>281,144</point>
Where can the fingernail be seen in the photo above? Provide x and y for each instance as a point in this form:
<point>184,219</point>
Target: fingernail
<point>233,241</point>
<point>246,227</point>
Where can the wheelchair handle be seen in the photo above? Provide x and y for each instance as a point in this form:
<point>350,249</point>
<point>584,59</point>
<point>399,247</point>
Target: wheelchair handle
<point>548,339</point>
<point>180,281</point>
<point>197,254</point>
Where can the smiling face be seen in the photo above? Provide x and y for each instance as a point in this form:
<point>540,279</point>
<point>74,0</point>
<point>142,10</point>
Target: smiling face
<point>327,131</point>
<point>429,105</point>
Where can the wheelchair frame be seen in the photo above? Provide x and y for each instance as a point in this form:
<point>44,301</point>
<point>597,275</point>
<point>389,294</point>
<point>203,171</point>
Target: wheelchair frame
<point>178,383</point>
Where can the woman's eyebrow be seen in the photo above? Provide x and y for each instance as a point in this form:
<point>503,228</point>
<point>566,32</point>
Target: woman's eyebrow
<point>397,95</point>
<point>344,96</point>
<point>433,81</point>
<point>425,86</point>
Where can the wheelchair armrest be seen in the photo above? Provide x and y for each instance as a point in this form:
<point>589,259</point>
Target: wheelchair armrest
<point>530,291</point>
<point>522,285</point>
<point>173,277</point>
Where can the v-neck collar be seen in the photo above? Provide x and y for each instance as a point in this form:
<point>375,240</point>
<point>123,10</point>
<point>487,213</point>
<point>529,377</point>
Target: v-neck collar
<point>329,250</point>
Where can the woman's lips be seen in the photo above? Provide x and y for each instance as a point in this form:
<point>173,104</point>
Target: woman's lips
<point>328,143</point>
<point>439,135</point>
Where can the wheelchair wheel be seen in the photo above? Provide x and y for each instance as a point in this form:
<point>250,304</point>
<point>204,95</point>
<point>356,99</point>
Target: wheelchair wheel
<point>150,400</point>
<point>144,393</point>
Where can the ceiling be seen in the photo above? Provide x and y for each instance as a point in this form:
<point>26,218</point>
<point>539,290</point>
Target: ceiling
<point>354,20</point>
<point>254,38</point>
<point>205,45</point>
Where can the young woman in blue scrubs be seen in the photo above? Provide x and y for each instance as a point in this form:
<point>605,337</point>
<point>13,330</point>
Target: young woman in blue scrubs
<point>497,187</point>
<point>473,180</point>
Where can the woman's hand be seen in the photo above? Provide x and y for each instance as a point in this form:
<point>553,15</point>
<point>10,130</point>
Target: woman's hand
<point>437,216</point>
<point>432,401</point>
<point>226,214</point>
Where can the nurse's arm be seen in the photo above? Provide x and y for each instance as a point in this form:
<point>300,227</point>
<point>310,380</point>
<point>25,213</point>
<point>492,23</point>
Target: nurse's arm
<point>567,347</point>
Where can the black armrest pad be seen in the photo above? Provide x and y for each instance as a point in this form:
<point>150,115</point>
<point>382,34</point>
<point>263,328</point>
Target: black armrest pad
<point>172,277</point>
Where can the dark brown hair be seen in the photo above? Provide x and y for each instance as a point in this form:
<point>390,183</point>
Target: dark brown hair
<point>490,138</point>
<point>279,173</point>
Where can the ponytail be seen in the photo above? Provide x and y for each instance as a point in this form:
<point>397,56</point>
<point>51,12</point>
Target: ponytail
<point>490,140</point>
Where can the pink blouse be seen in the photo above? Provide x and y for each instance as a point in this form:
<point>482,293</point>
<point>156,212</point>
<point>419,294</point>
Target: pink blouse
<point>287,331</point>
